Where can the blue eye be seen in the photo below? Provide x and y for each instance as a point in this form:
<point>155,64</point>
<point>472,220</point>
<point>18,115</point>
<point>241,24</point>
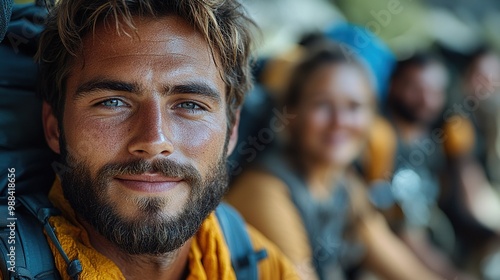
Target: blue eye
<point>113,103</point>
<point>189,106</point>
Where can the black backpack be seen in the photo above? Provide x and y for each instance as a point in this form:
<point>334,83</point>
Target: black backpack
<point>26,172</point>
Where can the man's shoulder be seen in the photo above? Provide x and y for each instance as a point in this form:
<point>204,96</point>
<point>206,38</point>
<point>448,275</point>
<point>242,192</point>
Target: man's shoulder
<point>276,265</point>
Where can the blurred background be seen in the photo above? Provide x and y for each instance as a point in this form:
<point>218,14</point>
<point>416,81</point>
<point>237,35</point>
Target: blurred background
<point>406,26</point>
<point>454,231</point>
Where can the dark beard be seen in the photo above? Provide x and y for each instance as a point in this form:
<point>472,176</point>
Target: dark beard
<point>152,232</point>
<point>401,110</point>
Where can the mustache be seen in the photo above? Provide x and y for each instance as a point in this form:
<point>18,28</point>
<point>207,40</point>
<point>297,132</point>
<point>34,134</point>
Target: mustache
<point>165,167</point>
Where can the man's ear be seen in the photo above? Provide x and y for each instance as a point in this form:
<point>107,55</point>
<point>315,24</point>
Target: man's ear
<point>50,127</point>
<point>233,138</point>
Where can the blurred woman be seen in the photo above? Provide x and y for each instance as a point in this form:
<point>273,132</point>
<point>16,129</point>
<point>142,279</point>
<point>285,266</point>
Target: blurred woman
<point>306,197</point>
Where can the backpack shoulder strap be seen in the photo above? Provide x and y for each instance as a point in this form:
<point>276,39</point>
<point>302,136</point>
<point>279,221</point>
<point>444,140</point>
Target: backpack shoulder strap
<point>32,257</point>
<point>243,257</point>
<point>23,242</point>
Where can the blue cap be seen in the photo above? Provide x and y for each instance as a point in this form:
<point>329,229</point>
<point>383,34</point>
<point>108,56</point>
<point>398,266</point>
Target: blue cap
<point>370,50</point>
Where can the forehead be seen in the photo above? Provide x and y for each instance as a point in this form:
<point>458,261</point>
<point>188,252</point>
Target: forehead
<point>340,79</point>
<point>432,75</point>
<point>148,33</point>
<point>160,48</point>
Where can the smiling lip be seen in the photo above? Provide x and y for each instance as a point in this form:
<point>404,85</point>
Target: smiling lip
<point>337,138</point>
<point>149,183</point>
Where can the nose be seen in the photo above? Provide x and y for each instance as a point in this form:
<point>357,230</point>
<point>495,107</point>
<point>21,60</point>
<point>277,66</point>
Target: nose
<point>339,117</point>
<point>150,133</point>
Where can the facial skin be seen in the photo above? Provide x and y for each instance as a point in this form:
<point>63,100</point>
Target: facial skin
<point>418,95</point>
<point>335,114</point>
<point>145,134</point>
<point>483,76</point>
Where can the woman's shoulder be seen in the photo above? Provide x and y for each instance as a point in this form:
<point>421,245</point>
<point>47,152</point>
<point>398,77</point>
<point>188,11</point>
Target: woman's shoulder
<point>264,201</point>
<point>256,183</point>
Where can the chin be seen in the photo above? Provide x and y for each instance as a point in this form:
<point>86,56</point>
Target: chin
<point>334,159</point>
<point>137,207</point>
<point>340,163</point>
<point>343,156</point>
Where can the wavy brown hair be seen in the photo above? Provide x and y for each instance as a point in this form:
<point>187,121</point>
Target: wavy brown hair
<point>223,23</point>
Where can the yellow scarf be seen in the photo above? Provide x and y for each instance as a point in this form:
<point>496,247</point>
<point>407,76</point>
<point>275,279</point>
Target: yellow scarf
<point>208,255</point>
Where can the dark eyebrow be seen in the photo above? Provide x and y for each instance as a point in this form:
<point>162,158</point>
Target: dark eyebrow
<point>104,84</point>
<point>113,85</point>
<point>195,88</point>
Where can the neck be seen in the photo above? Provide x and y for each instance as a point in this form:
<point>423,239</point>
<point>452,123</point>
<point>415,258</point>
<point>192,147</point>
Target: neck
<point>324,174</point>
<point>171,265</point>
<point>321,177</point>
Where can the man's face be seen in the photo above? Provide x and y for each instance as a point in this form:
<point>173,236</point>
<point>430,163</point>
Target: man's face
<point>483,77</point>
<point>419,93</point>
<point>144,133</point>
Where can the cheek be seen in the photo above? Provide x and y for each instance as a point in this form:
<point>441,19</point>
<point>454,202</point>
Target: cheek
<point>93,138</point>
<point>316,121</point>
<point>312,127</point>
<point>202,142</point>
<point>319,118</point>
<point>362,121</point>
<point>358,130</point>
<point>409,97</point>
<point>439,101</point>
